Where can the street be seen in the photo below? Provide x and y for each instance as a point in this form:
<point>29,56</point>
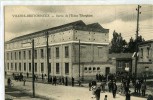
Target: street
<point>61,92</point>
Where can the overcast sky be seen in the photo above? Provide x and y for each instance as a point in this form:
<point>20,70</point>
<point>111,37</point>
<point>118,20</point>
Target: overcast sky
<point>121,18</point>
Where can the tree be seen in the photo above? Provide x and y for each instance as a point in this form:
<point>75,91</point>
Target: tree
<point>132,44</point>
<point>118,44</point>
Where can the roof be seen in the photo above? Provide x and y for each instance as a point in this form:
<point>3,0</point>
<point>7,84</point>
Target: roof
<point>78,25</point>
<point>120,55</point>
<point>146,42</point>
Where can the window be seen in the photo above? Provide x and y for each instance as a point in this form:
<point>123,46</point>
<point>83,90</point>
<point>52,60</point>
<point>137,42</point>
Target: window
<point>11,66</point>
<point>19,55</point>
<point>57,68</point>
<point>66,68</point>
<point>57,52</point>
<point>98,68</point>
<point>11,56</point>
<point>85,68</point>
<point>148,50</point>
<point>42,67</point>
<point>49,67</point>
<point>29,54</point>
<point>35,54</point>
<point>35,67</point>
<point>8,66</point>
<point>141,52</point>
<point>94,68</point>
<point>15,55</point>
<point>15,66</point>
<point>89,68</point>
<point>24,54</point>
<point>120,64</point>
<point>29,67</point>
<point>19,66</point>
<point>100,53</point>
<point>24,66</point>
<point>66,51</point>
<point>83,51</point>
<point>49,53</point>
<point>7,56</point>
<point>42,53</point>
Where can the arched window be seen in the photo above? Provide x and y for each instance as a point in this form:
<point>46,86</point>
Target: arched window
<point>89,68</point>
<point>94,68</point>
<point>98,68</point>
<point>85,68</point>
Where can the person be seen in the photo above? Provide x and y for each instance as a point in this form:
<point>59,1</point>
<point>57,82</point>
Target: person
<point>105,97</point>
<point>97,93</point>
<point>90,85</point>
<point>93,88</point>
<point>128,95</point>
<point>27,75</point>
<point>72,81</point>
<point>9,82</point>
<point>143,89</point>
<point>114,89</point>
<point>42,76</point>
<point>66,81</point>
<point>45,78</point>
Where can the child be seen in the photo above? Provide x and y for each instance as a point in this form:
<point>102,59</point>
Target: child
<point>105,97</point>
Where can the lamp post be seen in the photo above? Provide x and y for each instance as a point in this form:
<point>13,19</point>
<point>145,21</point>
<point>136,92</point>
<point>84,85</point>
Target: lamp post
<point>47,55</point>
<point>33,78</point>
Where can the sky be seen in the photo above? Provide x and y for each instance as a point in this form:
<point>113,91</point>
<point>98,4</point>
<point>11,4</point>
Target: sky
<point>121,18</point>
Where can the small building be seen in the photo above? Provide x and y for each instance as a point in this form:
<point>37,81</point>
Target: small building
<point>145,58</point>
<point>124,62</point>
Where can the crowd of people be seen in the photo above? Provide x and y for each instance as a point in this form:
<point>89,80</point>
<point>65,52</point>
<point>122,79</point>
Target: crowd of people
<point>107,83</point>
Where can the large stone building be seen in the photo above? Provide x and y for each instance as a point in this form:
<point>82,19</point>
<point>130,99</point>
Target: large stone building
<point>145,59</point>
<point>63,51</point>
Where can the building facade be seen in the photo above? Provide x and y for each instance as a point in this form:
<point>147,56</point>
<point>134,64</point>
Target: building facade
<point>145,58</point>
<point>74,49</point>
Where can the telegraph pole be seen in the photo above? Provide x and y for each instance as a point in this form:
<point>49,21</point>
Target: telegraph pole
<point>79,59</point>
<point>47,55</point>
<point>137,33</point>
<point>33,75</point>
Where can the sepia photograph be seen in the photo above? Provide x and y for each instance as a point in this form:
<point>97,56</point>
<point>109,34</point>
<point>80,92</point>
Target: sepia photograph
<point>78,52</point>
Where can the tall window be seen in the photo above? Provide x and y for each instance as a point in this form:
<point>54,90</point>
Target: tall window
<point>20,55</point>
<point>57,68</point>
<point>11,56</point>
<point>15,66</point>
<point>100,51</point>
<point>19,66</point>
<point>42,53</point>
<point>15,55</point>
<point>24,54</point>
<point>35,54</point>
<point>8,66</point>
<point>148,50</point>
<point>49,67</point>
<point>11,66</point>
<point>66,51</point>
<point>29,67</point>
<point>35,67</point>
<point>66,68</point>
<point>57,52</point>
<point>7,56</point>
<point>42,67</point>
<point>49,53</point>
<point>24,66</point>
<point>29,54</point>
<point>141,52</point>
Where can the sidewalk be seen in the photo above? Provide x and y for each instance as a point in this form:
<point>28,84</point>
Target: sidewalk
<point>61,92</point>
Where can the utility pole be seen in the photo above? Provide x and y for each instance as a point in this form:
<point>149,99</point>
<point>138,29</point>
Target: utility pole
<point>137,33</point>
<point>33,75</point>
<point>79,59</point>
<point>47,55</point>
